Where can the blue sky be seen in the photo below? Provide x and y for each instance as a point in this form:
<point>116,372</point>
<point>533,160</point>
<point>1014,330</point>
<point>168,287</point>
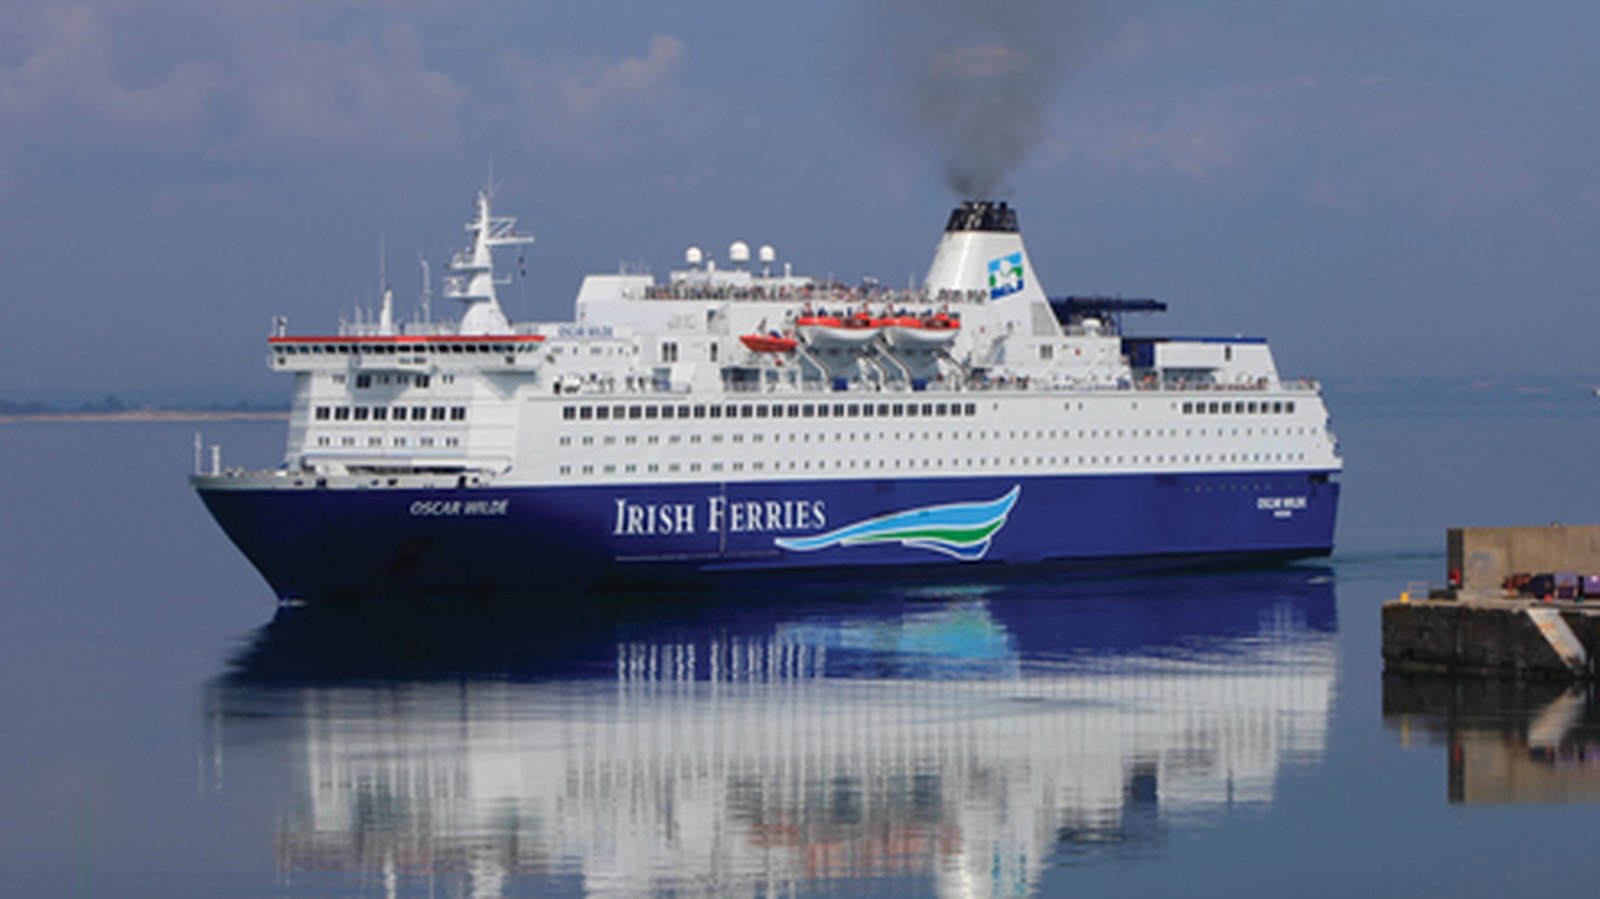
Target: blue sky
<point>1379,188</point>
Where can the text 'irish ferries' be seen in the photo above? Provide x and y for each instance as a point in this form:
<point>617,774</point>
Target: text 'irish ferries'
<point>721,516</point>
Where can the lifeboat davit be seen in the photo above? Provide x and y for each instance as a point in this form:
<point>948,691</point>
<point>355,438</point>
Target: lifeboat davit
<point>769,343</point>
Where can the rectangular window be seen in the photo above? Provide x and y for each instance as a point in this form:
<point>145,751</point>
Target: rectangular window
<point>422,381</point>
<point>716,411</point>
<point>341,414</point>
<point>699,411</point>
<point>838,410</point>
<point>651,411</point>
<point>380,413</point>
<point>567,412</point>
<point>322,413</point>
<point>854,410</point>
<point>361,413</point>
<point>911,409</point>
<point>761,411</point>
<point>1188,408</point>
<point>459,413</point>
<point>746,411</point>
<point>363,381</point>
<point>584,413</point>
<point>438,413</point>
<point>601,412</point>
<point>972,408</point>
<point>941,409</point>
<point>419,413</point>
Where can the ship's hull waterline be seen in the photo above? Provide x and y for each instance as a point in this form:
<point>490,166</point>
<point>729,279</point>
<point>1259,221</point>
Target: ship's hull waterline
<point>320,543</point>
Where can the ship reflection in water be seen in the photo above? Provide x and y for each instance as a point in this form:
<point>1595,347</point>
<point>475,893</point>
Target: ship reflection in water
<point>1506,740</point>
<point>953,740</point>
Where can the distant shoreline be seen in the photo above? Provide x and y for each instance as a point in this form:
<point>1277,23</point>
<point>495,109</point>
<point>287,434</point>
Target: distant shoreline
<point>145,415</point>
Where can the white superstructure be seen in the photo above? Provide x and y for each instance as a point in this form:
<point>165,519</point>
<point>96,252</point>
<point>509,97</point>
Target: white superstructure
<point>1012,384</point>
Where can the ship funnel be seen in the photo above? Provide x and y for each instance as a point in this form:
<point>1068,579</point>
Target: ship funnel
<point>982,215</point>
<point>981,254</point>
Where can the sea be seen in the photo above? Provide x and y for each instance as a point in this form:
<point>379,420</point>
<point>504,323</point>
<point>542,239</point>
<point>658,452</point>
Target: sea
<point>167,729</point>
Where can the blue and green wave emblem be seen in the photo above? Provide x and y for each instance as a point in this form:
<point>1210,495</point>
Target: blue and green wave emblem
<point>959,530</point>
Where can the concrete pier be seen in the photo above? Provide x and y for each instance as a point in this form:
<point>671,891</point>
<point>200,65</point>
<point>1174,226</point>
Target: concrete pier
<point>1484,623</point>
<point>1520,638</point>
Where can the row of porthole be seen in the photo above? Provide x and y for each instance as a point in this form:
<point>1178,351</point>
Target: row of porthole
<point>598,412</point>
<point>388,413</point>
<point>1239,407</point>
<point>882,464</point>
<point>374,441</point>
<point>868,436</point>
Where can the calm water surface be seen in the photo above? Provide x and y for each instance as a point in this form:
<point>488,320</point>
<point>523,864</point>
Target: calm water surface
<point>169,732</point>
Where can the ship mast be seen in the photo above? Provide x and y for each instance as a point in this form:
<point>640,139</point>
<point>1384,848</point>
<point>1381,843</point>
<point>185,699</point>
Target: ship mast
<point>470,278</point>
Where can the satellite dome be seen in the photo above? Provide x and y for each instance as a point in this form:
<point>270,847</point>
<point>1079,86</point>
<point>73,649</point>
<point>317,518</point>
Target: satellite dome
<point>694,256</point>
<point>738,252</point>
<point>768,255</point>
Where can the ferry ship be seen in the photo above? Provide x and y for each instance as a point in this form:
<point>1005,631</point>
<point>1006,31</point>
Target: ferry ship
<point>739,419</point>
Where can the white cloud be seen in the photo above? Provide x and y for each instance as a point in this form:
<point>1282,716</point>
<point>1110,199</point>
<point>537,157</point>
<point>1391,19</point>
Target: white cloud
<point>590,105</point>
<point>364,97</point>
<point>249,78</point>
<point>67,86</point>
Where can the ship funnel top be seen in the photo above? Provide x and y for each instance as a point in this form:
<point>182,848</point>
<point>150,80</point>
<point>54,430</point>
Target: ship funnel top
<point>981,254</point>
<point>983,215</point>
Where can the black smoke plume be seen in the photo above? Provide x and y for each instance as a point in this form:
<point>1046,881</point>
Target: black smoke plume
<point>973,78</point>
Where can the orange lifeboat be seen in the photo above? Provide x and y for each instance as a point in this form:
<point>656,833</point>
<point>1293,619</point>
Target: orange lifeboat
<point>936,330</point>
<point>769,343</point>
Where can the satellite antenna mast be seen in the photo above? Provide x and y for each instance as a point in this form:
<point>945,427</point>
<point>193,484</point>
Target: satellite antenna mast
<point>386,310</point>
<point>427,291</point>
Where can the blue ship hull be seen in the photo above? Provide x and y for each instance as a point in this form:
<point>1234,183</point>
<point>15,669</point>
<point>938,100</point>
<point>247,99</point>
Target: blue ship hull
<point>321,544</point>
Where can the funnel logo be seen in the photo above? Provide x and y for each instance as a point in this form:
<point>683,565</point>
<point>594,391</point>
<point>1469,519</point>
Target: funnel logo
<point>959,530</point>
<point>1005,276</point>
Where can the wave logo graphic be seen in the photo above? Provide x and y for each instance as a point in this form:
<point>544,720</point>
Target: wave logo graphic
<point>959,530</point>
<point>1005,276</point>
